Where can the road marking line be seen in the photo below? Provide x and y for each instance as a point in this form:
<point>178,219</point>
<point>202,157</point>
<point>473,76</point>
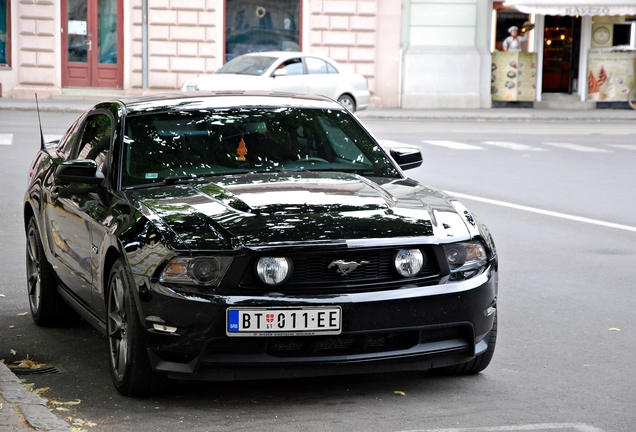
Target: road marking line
<point>578,427</point>
<point>6,139</point>
<point>577,147</point>
<point>623,146</point>
<point>513,146</point>
<point>452,145</point>
<point>545,212</point>
<point>391,143</point>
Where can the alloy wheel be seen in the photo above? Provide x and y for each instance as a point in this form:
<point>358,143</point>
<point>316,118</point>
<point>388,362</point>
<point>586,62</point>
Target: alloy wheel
<point>117,327</point>
<point>34,285</point>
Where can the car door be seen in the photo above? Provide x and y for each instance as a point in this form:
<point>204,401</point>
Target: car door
<point>71,218</point>
<point>295,79</point>
<point>323,77</point>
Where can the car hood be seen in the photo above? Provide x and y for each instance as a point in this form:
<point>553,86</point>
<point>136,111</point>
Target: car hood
<point>282,209</point>
<point>215,82</point>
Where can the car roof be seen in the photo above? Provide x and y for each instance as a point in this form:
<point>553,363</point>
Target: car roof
<point>223,99</point>
<point>284,54</point>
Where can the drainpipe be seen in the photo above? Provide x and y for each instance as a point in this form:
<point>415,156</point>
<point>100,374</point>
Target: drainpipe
<point>144,45</point>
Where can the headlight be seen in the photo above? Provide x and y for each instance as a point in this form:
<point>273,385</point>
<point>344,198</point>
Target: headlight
<point>465,259</point>
<point>409,262</point>
<point>273,270</point>
<point>200,270</point>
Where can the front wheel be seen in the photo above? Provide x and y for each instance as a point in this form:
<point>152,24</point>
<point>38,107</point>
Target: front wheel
<point>348,102</point>
<point>47,307</point>
<point>130,366</point>
<point>631,98</point>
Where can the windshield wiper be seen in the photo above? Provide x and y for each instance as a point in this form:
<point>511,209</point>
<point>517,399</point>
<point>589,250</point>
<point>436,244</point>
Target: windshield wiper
<point>181,179</point>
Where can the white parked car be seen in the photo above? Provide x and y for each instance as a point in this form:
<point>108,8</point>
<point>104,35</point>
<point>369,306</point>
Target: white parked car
<point>287,71</point>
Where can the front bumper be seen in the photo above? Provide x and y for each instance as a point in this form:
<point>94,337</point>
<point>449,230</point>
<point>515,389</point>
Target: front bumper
<point>412,328</point>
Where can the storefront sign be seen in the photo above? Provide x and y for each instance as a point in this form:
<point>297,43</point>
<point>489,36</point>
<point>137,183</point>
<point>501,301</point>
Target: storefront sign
<point>580,7</point>
<point>588,10</point>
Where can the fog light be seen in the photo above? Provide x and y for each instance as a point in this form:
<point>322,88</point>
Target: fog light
<point>409,262</point>
<point>273,271</point>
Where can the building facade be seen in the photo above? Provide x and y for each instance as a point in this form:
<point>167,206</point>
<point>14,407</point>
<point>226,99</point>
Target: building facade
<point>140,46</point>
<point>414,53</point>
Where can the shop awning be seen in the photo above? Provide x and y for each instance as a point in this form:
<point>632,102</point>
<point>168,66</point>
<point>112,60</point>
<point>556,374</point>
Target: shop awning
<point>575,7</point>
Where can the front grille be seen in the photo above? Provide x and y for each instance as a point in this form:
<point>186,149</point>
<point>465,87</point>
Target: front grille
<point>312,270</point>
<point>340,345</point>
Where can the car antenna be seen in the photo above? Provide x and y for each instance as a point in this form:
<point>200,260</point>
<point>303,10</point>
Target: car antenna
<point>42,143</point>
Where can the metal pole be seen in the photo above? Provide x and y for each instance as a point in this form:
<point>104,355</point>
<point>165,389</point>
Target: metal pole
<point>144,45</point>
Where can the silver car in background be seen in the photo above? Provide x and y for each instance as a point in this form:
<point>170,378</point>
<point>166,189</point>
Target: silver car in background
<point>285,71</point>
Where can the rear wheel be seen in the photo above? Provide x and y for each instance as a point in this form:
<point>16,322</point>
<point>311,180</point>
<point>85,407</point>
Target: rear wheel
<point>47,307</point>
<point>348,102</point>
<point>476,365</point>
<point>129,363</point>
<point>631,98</point>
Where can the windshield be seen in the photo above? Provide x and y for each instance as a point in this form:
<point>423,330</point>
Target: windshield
<point>247,65</point>
<point>190,144</point>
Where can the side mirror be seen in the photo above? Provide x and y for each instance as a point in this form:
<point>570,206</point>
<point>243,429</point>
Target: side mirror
<point>407,157</point>
<point>78,171</point>
<point>280,72</point>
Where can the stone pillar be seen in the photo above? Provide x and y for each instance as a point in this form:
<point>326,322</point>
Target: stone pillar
<point>38,46</point>
<point>446,59</point>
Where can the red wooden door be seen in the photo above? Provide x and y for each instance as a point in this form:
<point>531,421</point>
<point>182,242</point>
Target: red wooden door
<point>92,43</point>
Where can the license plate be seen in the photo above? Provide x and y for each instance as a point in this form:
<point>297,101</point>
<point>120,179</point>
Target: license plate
<point>283,321</point>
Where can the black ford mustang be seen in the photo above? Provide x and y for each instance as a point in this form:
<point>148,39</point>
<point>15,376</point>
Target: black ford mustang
<point>249,236</point>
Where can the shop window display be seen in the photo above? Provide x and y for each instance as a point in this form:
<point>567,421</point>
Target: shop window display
<point>611,61</point>
<point>261,25</point>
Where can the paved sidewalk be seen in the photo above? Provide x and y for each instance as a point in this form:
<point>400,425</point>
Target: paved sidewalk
<point>23,411</point>
<point>483,114</point>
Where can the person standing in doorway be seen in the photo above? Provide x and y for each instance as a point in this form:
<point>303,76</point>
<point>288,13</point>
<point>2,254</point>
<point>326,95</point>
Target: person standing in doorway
<point>513,42</point>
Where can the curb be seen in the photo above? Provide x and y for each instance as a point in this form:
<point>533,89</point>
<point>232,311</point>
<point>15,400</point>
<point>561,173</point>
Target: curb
<point>478,114</point>
<point>23,410</point>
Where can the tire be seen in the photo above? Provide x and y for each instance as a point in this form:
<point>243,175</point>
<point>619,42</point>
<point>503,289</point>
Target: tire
<point>348,102</point>
<point>129,364</point>
<point>476,365</point>
<point>48,309</point>
<point>631,98</point>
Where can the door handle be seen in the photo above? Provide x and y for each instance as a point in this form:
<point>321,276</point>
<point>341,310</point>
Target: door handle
<point>89,44</point>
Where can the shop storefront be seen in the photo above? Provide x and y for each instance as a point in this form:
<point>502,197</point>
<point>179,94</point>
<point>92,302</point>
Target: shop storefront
<point>582,48</point>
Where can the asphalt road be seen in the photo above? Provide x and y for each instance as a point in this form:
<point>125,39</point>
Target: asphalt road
<point>562,217</point>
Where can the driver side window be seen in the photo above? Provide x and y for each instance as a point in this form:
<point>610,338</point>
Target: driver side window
<point>95,142</point>
<point>293,66</point>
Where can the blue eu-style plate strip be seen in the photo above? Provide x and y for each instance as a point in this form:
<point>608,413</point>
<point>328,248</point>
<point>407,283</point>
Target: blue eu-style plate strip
<point>233,321</point>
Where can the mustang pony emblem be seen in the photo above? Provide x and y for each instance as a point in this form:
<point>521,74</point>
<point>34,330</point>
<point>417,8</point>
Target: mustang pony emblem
<point>346,267</point>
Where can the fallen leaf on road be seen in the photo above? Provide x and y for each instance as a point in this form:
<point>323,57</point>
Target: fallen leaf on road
<point>399,393</point>
<point>27,363</point>
<point>80,422</point>
<point>41,390</point>
<point>62,409</point>
<point>75,402</point>
<point>23,314</point>
<point>11,326</point>
<point>614,329</point>
<point>14,352</point>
